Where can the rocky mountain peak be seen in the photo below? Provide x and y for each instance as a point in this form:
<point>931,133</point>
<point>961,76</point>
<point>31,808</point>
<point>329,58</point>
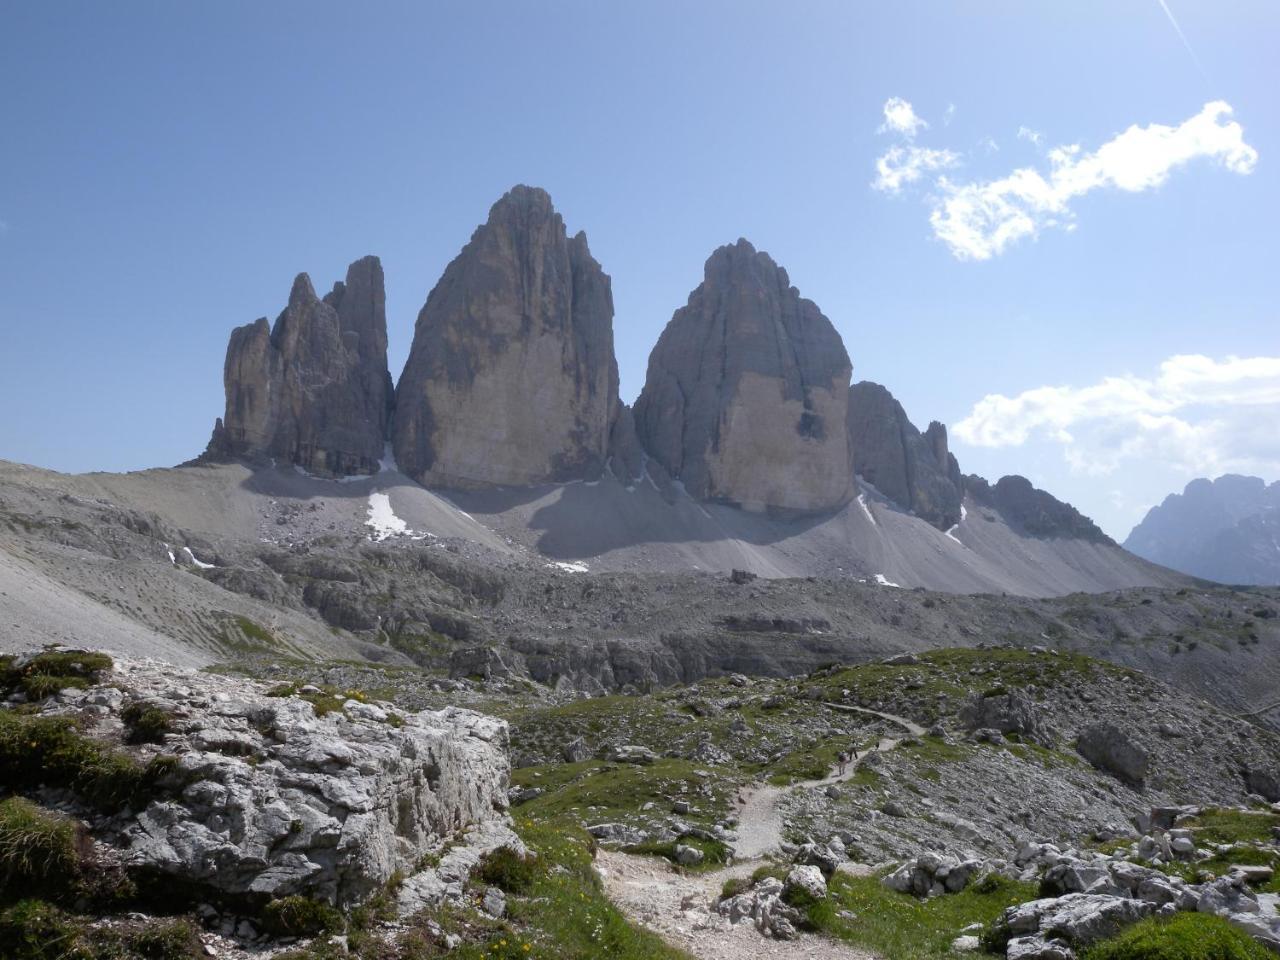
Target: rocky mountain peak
<point>1034,511</point>
<point>914,470</point>
<point>745,397</point>
<point>511,379</point>
<point>313,389</point>
<point>1224,529</point>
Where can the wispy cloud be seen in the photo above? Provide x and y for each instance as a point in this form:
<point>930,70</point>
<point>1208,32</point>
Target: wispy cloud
<point>906,163</point>
<point>980,219</point>
<point>900,117</point>
<point>1034,136</point>
<point>1197,414</point>
<point>902,165</point>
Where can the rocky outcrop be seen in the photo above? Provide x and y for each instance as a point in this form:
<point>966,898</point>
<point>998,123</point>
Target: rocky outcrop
<point>1109,748</point>
<point>276,799</point>
<point>1034,511</point>
<point>1008,711</point>
<point>745,397</point>
<point>914,470</point>
<point>312,390</point>
<point>511,379</point>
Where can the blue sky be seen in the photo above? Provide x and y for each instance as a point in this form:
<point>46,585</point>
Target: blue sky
<point>167,169</point>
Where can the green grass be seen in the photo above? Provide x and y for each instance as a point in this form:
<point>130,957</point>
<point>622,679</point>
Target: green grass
<point>556,910</point>
<point>808,763</point>
<point>897,925</point>
<point>299,916</point>
<point>327,700</point>
<point>35,930</point>
<point>715,854</point>
<point>1184,936</point>
<point>47,673</point>
<point>599,791</point>
<point>1234,826</point>
<point>146,724</point>
<point>37,750</point>
<point>507,870</point>
<point>40,852</point>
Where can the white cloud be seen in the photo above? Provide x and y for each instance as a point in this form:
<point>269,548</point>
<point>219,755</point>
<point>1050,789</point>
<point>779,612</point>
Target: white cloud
<point>1197,415</point>
<point>900,117</point>
<point>903,165</point>
<point>1034,136</point>
<point>979,220</point>
<point>949,114</point>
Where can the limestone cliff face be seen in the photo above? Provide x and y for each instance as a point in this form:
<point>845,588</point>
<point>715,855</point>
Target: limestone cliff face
<point>313,390</point>
<point>914,470</point>
<point>746,395</point>
<point>511,379</point>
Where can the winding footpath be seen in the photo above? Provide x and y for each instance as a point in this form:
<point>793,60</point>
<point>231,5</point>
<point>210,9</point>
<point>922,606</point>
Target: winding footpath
<point>679,907</point>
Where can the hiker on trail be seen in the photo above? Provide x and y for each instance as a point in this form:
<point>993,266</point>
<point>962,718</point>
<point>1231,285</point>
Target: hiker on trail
<point>842,761</point>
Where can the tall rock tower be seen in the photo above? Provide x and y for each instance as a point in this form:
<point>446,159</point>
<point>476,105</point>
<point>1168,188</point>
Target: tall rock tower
<point>511,379</point>
<point>747,392</point>
<point>313,389</point>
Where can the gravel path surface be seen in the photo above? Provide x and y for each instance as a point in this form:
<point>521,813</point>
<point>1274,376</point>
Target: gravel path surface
<point>678,908</point>
<point>759,820</point>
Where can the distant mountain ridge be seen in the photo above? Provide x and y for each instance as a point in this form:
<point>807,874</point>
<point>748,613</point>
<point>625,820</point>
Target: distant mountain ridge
<point>1226,529</point>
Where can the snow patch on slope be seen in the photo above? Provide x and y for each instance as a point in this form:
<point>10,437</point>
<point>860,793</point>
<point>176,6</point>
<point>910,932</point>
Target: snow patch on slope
<point>383,520</point>
<point>862,502</point>
<point>575,567</point>
<point>196,560</point>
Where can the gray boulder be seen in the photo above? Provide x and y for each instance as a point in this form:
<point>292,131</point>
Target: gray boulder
<point>1265,782</point>
<point>276,800</point>
<point>1010,711</point>
<point>745,400</point>
<point>1077,918</point>
<point>1113,750</point>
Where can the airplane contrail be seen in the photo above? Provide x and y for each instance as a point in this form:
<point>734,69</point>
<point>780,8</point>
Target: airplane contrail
<point>1183,37</point>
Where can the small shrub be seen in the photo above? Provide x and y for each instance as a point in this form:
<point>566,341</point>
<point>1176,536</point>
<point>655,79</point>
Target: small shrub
<point>38,750</point>
<point>299,916</point>
<point>734,886</point>
<point>35,930</point>
<point>1184,936</point>
<point>167,940</point>
<point>507,870</point>
<point>146,724</point>
<point>47,673</point>
<point>40,852</point>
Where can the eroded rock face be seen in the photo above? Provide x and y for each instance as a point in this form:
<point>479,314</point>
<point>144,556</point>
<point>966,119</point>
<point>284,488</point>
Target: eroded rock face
<point>914,470</point>
<point>746,395</point>
<point>313,389</point>
<point>278,801</point>
<point>511,379</point>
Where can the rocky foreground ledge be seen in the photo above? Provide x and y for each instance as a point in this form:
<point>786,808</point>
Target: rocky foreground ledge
<point>235,796</point>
